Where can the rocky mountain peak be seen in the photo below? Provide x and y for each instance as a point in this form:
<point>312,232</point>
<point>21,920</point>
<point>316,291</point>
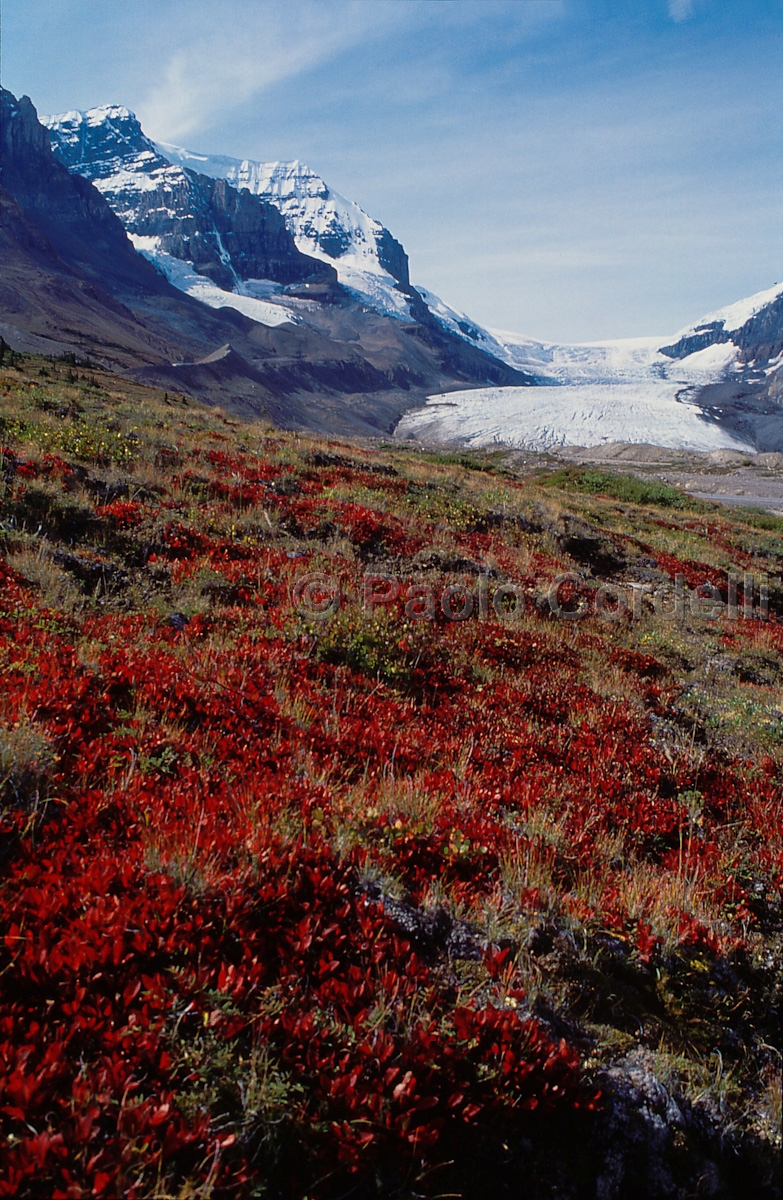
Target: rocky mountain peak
<point>170,210</point>
<point>323,223</point>
<point>22,132</point>
<point>753,325</point>
<point>89,141</point>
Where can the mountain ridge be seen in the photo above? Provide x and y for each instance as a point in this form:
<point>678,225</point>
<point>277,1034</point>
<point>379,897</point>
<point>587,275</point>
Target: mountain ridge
<point>73,282</point>
<point>229,235</point>
<point>235,234</point>
<point>296,190</point>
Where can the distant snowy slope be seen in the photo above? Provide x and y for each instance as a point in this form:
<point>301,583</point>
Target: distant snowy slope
<point>750,330</point>
<point>734,316</point>
<point>523,353</point>
<point>610,361</point>
<point>754,327</point>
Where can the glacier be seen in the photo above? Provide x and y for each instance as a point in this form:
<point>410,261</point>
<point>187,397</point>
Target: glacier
<point>652,411</point>
<point>622,390</point>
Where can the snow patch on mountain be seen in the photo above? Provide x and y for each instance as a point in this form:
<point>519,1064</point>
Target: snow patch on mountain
<point>733,316</point>
<point>375,290</point>
<point>470,331</point>
<point>121,163</point>
<point>251,296</point>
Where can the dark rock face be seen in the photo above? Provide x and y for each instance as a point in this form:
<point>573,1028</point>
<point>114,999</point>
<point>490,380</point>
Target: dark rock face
<point>334,241</point>
<point>590,547</point>
<point>704,336</point>
<point>393,258</point>
<point>228,235</point>
<point>66,209</point>
<point>762,335</point>
<point>22,134</point>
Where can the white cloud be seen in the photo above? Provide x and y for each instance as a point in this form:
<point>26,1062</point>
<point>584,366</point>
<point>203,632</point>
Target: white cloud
<point>680,10</point>
<point>238,50</point>
<point>245,50</point>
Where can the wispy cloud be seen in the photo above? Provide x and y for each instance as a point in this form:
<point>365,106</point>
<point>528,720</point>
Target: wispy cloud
<point>240,50</point>
<point>252,49</point>
<point>680,10</point>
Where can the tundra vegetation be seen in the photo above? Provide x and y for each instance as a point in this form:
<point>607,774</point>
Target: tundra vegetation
<point>383,904</point>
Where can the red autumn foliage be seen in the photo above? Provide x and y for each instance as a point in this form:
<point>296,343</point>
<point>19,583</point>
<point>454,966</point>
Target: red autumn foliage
<point>180,877</point>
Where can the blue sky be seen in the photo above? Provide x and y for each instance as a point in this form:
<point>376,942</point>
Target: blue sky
<point>568,169</point>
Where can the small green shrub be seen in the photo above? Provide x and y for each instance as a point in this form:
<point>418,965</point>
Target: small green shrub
<point>81,438</point>
<point>381,646</point>
<point>757,518</point>
<point>628,488</point>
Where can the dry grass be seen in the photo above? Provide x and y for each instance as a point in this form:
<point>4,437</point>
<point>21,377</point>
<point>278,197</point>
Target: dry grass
<point>26,758</point>
<point>58,589</point>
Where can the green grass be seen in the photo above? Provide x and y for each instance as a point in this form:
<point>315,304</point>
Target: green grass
<point>621,486</point>
<point>757,518</point>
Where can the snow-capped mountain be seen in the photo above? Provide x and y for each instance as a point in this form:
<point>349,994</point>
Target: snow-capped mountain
<point>208,238</point>
<point>753,328</point>
<point>268,249</point>
<point>174,205</point>
<point>324,224</point>
<point>73,283</point>
<point>748,331</point>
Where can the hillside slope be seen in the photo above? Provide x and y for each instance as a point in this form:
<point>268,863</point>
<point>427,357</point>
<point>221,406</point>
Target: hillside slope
<point>376,822</point>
